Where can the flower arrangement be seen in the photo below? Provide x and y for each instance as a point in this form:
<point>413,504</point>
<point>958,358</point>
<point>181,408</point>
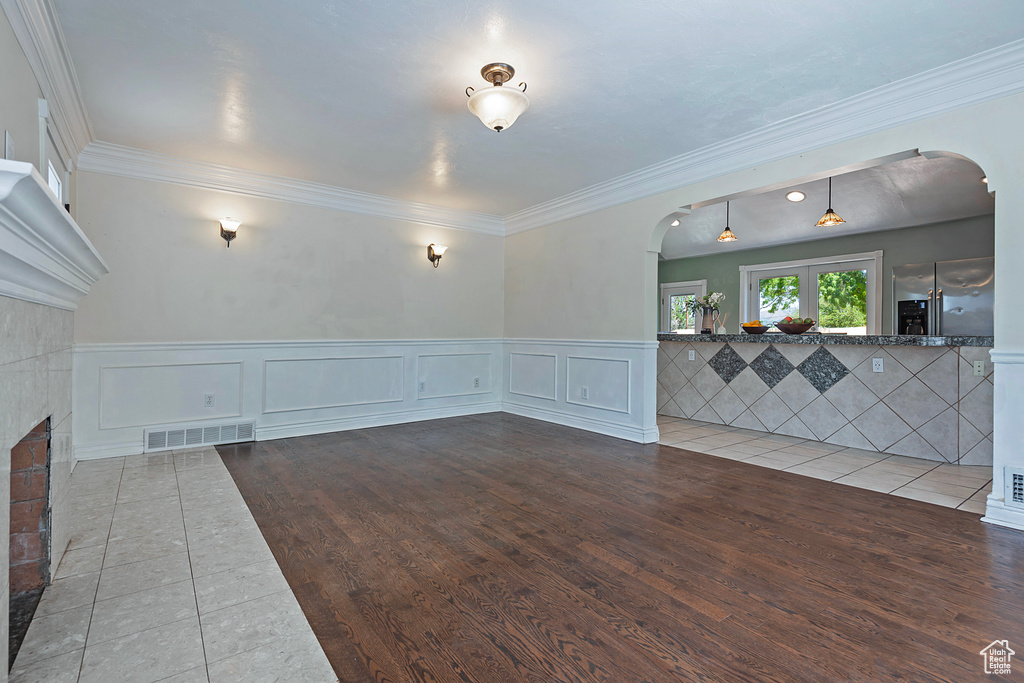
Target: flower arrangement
<point>713,301</point>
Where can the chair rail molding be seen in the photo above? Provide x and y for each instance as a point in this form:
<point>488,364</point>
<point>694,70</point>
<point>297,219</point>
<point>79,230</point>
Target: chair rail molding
<point>45,257</point>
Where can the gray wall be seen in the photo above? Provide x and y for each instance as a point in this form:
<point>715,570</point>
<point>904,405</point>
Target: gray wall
<point>967,238</point>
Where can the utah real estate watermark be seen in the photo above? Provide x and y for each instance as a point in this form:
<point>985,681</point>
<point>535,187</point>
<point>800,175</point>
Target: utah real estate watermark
<point>997,656</point>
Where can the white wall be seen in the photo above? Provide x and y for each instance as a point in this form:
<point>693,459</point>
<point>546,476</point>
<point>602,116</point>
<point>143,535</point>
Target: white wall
<point>19,109</point>
<point>294,271</point>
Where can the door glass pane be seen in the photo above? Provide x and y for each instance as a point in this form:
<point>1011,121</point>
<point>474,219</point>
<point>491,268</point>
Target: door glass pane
<point>843,302</point>
<point>778,297</point>
<point>681,318</point>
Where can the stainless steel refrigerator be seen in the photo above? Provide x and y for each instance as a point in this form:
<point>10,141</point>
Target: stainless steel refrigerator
<point>954,297</point>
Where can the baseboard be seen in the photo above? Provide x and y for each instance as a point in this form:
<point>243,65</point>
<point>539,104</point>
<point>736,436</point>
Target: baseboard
<point>379,420</point>
<point>999,513</point>
<point>115,450</point>
<point>620,431</point>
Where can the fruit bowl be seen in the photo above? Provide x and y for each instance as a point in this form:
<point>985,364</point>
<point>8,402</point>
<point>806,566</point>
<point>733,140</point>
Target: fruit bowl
<point>755,330</point>
<point>794,328</point>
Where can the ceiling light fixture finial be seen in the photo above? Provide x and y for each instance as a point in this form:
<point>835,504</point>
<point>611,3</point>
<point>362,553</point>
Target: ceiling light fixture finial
<point>727,234</point>
<point>831,217</point>
<point>498,107</point>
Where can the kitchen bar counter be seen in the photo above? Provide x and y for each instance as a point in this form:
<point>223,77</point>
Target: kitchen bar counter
<point>926,397</point>
<point>846,339</point>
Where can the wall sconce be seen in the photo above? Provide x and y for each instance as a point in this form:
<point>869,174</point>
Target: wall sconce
<point>229,229</point>
<point>435,252</point>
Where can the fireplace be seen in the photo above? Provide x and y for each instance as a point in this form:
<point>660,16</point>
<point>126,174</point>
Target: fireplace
<point>30,530</point>
<point>30,511</point>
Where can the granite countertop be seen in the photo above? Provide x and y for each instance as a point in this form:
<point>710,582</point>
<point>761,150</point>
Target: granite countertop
<point>850,339</point>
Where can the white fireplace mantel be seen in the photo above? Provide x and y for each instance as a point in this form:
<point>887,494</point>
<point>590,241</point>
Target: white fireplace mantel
<point>44,256</point>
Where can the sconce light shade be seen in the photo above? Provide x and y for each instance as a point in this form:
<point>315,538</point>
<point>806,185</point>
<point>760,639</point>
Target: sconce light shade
<point>435,252</point>
<point>229,229</point>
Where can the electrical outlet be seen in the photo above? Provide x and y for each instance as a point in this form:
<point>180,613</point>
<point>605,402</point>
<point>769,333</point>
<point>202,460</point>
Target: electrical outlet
<point>423,387</point>
<point>979,368</point>
<point>208,400</point>
<point>476,382</point>
<point>876,365</point>
<point>691,354</point>
<point>585,393</point>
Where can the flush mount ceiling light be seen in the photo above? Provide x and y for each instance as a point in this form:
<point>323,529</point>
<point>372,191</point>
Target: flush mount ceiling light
<point>985,180</point>
<point>229,229</point>
<point>498,107</point>
<point>435,252</point>
<point>796,196</point>
<point>831,217</point>
<point>727,234</point>
<point>675,223</point>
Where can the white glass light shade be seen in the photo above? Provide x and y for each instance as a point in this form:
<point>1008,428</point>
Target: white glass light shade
<point>439,249</point>
<point>498,106</point>
<point>230,224</point>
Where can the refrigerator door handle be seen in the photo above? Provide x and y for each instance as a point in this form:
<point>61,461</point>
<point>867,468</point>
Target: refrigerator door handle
<point>938,312</point>
<point>931,311</point>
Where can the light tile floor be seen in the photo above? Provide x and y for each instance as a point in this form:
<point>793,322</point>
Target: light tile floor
<point>167,578</point>
<point>957,486</point>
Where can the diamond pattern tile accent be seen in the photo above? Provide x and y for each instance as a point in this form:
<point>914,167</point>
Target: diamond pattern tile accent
<point>771,366</point>
<point>822,369</point>
<point>727,363</point>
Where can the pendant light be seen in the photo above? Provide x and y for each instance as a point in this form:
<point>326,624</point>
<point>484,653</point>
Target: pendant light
<point>831,217</point>
<point>498,107</point>
<point>727,234</point>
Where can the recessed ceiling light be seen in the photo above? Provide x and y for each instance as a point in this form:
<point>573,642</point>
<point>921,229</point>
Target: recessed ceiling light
<point>796,196</point>
<point>985,180</point>
<point>675,223</point>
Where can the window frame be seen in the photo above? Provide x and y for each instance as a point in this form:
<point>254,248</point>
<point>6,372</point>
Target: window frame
<point>668,289</point>
<point>808,270</point>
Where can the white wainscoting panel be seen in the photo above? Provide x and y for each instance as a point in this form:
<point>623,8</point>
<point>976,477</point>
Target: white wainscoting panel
<point>606,381</point>
<point>447,375</point>
<point>545,378</point>
<point>285,388</point>
<point>143,395</point>
<point>316,383</point>
<point>297,388</point>
<point>533,375</point>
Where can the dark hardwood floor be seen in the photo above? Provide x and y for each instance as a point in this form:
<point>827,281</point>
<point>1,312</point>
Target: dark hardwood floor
<point>498,548</point>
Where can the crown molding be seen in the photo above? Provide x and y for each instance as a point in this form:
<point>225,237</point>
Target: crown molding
<point>45,256</point>
<point>985,76</point>
<point>39,33</point>
<point>103,157</point>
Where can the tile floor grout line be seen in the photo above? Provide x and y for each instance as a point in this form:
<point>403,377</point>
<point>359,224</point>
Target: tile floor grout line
<point>92,612</point>
<point>191,570</point>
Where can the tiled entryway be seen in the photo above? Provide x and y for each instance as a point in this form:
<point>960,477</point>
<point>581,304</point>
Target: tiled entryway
<point>963,487</point>
<point>167,578</point>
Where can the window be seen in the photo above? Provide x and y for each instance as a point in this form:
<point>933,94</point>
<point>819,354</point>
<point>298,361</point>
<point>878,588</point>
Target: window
<point>676,299</point>
<point>842,293</point>
<point>53,180</point>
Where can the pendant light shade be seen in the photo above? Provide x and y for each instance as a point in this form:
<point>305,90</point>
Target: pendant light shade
<point>498,107</point>
<point>727,234</point>
<point>831,217</point>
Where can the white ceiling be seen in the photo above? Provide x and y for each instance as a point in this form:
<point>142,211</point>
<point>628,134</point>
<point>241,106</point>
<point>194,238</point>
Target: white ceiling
<point>901,194</point>
<point>369,95</point>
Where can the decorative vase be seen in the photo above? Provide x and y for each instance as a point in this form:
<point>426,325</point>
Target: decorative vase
<point>708,321</point>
